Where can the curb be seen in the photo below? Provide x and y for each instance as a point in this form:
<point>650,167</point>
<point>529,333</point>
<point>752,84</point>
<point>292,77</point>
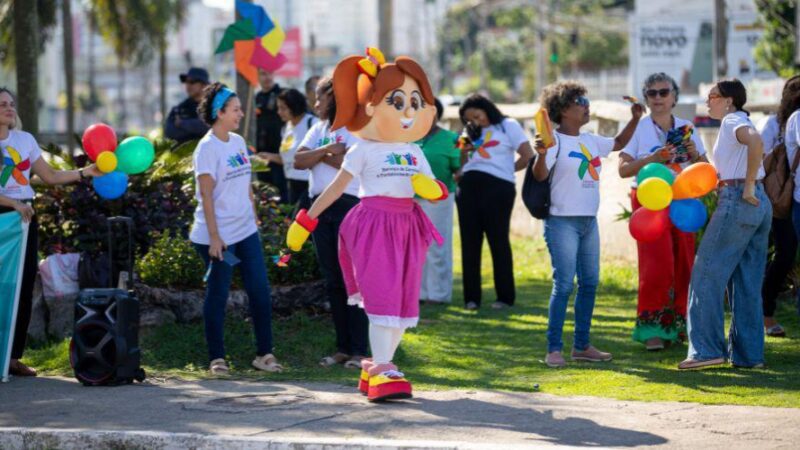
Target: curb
<point>46,438</point>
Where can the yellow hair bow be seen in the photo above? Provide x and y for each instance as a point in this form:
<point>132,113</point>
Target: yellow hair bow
<point>371,64</point>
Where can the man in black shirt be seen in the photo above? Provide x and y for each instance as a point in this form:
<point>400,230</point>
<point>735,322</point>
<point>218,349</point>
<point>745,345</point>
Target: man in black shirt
<point>268,130</point>
<point>183,124</point>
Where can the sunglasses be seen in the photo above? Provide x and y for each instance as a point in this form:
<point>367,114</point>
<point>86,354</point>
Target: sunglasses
<point>712,96</point>
<point>582,101</point>
<point>653,93</point>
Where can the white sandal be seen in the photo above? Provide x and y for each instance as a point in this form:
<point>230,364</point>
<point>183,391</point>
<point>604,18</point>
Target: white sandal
<point>267,363</point>
<point>218,367</point>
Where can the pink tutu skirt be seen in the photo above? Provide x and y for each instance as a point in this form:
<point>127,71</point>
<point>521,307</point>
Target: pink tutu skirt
<point>382,246</point>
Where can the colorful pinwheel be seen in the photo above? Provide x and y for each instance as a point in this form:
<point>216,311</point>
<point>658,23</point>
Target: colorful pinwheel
<point>256,40</point>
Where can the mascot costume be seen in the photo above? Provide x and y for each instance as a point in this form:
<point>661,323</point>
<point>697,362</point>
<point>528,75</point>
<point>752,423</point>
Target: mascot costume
<point>382,241</point>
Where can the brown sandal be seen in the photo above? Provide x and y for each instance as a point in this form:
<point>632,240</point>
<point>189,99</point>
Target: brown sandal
<point>354,362</point>
<point>18,369</point>
<point>687,364</point>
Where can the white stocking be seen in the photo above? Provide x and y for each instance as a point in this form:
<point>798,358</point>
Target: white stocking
<point>381,339</point>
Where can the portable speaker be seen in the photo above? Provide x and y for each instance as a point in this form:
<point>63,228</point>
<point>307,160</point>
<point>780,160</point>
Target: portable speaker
<point>105,341</point>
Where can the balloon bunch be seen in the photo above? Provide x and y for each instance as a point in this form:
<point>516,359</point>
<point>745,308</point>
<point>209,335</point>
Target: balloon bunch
<point>132,156</point>
<point>667,199</point>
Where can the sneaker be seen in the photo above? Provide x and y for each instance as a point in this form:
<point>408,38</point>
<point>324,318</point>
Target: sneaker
<point>500,305</point>
<point>591,354</point>
<point>555,359</point>
<point>471,306</point>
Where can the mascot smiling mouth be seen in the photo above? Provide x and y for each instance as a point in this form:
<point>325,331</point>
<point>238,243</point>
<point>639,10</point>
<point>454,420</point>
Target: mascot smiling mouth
<point>406,123</point>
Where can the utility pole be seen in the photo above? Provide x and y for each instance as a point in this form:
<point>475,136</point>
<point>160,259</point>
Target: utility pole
<point>720,38</point>
<point>541,35</point>
<point>386,19</point>
<point>69,69</point>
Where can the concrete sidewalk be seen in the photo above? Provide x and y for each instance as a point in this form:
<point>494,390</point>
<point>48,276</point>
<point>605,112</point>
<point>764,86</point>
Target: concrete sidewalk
<point>211,414</point>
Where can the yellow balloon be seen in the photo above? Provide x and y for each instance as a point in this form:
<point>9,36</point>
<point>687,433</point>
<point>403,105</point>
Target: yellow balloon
<point>106,162</point>
<point>654,194</point>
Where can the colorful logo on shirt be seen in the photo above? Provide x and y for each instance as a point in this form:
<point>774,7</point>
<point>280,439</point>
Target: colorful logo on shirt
<point>588,164</point>
<point>483,143</point>
<point>286,145</point>
<point>239,160</point>
<point>401,160</point>
<point>14,166</point>
<point>328,140</point>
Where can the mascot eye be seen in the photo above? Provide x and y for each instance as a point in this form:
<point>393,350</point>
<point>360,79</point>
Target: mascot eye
<point>416,101</point>
<point>397,99</point>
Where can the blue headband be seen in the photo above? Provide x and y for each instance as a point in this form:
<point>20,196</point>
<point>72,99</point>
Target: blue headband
<point>219,101</point>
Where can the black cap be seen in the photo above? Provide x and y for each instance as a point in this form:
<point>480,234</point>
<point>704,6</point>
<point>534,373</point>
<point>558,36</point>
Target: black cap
<point>195,74</point>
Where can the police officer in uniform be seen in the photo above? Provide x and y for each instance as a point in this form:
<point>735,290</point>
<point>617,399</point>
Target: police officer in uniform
<point>268,130</point>
<point>183,124</point>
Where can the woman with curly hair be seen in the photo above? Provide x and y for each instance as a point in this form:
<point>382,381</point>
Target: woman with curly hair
<point>665,264</point>
<point>572,166</point>
<point>224,232</point>
<point>486,194</point>
<point>782,233</point>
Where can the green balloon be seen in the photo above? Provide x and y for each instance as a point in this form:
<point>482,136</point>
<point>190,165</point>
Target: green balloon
<point>649,171</point>
<point>135,155</point>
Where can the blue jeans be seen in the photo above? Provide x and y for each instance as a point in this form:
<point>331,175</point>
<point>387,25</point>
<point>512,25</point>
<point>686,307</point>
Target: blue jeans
<point>574,244</point>
<point>256,284</point>
<point>796,221</point>
<point>732,255</point>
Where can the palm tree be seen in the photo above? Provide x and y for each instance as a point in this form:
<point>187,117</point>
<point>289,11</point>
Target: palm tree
<point>69,71</point>
<point>34,20</point>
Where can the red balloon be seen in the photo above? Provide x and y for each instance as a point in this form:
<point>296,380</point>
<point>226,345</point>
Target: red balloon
<point>97,139</point>
<point>647,225</point>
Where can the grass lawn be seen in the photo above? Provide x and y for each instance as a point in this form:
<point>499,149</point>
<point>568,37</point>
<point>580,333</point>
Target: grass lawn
<point>487,349</point>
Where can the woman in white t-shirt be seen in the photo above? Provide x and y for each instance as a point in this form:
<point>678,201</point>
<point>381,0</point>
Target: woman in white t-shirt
<point>665,264</point>
<point>225,232</point>
<point>733,252</point>
<point>485,195</point>
<point>292,109</point>
<point>573,166</point>
<point>321,153</point>
<point>21,157</point>
<point>782,233</point>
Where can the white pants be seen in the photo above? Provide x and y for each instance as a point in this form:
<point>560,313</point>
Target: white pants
<point>437,275</point>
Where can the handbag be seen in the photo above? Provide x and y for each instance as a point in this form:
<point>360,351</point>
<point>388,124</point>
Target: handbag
<point>779,180</point>
<point>535,193</point>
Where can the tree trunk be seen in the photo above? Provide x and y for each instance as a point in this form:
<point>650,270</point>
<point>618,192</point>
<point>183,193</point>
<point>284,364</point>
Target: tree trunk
<point>162,79</point>
<point>69,72</point>
<point>26,50</point>
<point>92,102</point>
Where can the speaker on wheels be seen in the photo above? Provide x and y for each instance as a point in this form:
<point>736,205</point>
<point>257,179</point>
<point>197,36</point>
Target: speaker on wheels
<point>105,342</point>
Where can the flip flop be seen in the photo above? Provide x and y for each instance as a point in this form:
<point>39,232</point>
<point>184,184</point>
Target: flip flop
<point>336,358</point>
<point>687,364</point>
<point>776,331</point>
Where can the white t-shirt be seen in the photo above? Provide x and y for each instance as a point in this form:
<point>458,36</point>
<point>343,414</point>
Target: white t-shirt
<point>730,156</point>
<point>229,165</point>
<point>19,151</point>
<point>649,137</point>
<point>385,169</point>
<point>501,142</point>
<point>323,174</point>
<point>575,185</point>
<point>792,139</point>
<point>292,136</point>
<point>770,132</point>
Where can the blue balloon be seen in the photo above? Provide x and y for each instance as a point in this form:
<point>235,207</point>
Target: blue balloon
<point>111,185</point>
<point>688,215</point>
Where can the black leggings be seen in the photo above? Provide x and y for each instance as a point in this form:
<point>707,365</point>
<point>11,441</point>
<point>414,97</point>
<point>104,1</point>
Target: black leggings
<point>484,207</point>
<point>31,267</point>
<point>783,237</point>
<point>350,321</point>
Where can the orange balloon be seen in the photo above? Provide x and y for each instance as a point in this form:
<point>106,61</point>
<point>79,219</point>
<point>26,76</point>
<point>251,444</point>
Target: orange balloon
<point>695,181</point>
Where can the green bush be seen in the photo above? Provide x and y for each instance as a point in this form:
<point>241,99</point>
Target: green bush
<point>171,262</point>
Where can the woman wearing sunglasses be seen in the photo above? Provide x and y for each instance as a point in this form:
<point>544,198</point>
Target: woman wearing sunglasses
<point>665,265</point>
<point>733,253</point>
<point>571,229</point>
